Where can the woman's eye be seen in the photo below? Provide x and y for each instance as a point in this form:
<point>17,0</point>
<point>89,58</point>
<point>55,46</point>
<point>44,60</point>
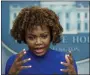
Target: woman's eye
<point>44,36</point>
<point>31,37</point>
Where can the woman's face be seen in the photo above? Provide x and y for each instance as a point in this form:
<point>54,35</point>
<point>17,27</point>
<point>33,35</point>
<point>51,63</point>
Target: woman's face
<point>38,40</point>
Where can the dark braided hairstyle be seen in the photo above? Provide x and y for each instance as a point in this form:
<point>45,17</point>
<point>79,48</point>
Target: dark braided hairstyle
<point>34,16</point>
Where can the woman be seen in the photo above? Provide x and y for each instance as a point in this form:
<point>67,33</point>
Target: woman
<point>38,27</point>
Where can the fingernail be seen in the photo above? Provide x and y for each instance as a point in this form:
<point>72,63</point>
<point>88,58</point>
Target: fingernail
<point>61,69</point>
<point>29,58</point>
<point>67,55</point>
<point>23,49</point>
<point>24,52</point>
<point>61,62</point>
<point>30,66</point>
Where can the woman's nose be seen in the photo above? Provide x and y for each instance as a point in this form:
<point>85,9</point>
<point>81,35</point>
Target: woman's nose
<point>38,41</point>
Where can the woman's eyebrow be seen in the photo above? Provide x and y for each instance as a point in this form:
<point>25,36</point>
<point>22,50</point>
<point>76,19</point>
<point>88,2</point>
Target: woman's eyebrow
<point>45,32</point>
<point>32,34</point>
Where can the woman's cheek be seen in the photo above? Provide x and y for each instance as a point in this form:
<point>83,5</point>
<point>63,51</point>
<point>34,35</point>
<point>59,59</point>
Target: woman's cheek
<point>30,43</point>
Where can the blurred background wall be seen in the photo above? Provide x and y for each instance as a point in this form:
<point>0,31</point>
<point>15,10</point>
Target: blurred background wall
<point>74,18</point>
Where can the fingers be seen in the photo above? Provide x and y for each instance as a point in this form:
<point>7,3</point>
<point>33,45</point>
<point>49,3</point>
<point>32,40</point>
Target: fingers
<point>26,60</point>
<point>64,70</point>
<point>70,72</point>
<point>23,61</point>
<point>70,53</point>
<point>65,64</point>
<point>67,59</point>
<point>19,62</point>
<point>23,67</point>
<point>69,64</point>
<point>70,57</point>
<point>20,55</point>
<point>17,66</point>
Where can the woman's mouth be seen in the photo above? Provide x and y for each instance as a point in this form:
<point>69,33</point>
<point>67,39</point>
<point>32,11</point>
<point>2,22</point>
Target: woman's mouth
<point>40,50</point>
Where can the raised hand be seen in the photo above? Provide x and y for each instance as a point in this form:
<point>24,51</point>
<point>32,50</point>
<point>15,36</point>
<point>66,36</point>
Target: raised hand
<point>17,66</point>
<point>69,64</point>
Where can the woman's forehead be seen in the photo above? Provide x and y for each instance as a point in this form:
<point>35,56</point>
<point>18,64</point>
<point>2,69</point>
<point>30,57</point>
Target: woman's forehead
<point>36,29</point>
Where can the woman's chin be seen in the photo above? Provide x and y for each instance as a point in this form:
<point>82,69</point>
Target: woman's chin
<point>40,54</point>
